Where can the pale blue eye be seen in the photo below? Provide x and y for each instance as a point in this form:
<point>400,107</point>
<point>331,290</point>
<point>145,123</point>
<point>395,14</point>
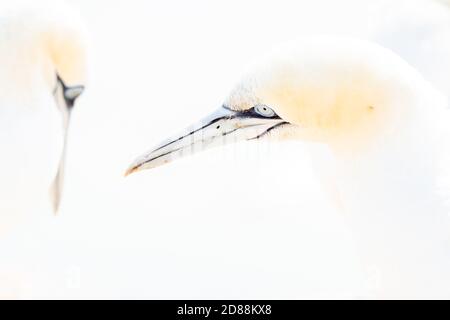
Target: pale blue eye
<point>264,111</point>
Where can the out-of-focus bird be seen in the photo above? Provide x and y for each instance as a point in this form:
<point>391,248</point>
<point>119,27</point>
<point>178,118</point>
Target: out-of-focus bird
<point>43,69</point>
<point>386,129</point>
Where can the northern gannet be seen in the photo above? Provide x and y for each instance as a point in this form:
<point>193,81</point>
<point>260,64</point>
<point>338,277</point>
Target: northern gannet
<point>43,72</point>
<point>386,128</point>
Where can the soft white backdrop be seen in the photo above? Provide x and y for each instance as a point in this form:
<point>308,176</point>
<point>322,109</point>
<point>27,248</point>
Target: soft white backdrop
<point>245,221</point>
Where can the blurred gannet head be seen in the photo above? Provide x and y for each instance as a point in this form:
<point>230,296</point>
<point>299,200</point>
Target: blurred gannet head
<point>346,93</point>
<point>43,54</point>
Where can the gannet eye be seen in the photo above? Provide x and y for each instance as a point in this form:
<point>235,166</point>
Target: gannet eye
<point>264,111</point>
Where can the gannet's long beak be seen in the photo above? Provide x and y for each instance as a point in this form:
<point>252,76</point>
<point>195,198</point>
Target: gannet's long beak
<point>222,127</point>
<point>65,99</point>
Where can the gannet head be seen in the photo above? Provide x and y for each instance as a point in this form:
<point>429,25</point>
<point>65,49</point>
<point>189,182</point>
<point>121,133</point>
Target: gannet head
<point>43,50</point>
<point>339,91</point>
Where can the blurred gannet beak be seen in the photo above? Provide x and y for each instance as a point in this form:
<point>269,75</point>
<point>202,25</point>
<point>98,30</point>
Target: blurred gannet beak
<point>222,127</point>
